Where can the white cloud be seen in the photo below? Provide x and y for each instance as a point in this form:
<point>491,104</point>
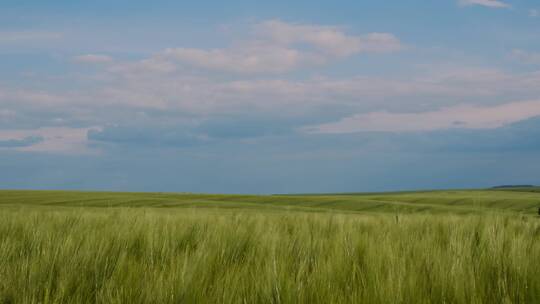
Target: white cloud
<point>37,98</point>
<point>279,47</point>
<point>55,139</point>
<point>153,66</point>
<point>330,40</point>
<point>203,95</point>
<point>176,80</point>
<point>461,116</point>
<point>526,57</point>
<point>158,84</point>
<point>378,102</point>
<point>92,58</point>
<point>534,13</point>
<point>486,3</point>
<point>249,59</point>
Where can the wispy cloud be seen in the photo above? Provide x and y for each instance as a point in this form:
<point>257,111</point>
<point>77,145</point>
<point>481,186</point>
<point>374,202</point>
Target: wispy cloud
<point>457,117</point>
<point>526,57</point>
<point>92,58</point>
<point>534,13</point>
<point>278,46</point>
<point>328,39</point>
<point>247,59</point>
<point>19,143</point>
<point>50,139</point>
<point>486,3</point>
<point>28,36</point>
<point>37,98</point>
<point>199,95</point>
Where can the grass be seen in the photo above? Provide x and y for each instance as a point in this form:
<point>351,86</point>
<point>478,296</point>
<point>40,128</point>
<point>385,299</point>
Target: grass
<point>435,247</point>
<point>432,202</point>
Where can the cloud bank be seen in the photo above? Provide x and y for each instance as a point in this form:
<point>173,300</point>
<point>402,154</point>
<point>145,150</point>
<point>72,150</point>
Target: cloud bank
<point>458,117</point>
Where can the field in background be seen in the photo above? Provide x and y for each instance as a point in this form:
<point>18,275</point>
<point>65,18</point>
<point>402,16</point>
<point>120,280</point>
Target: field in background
<point>479,246</point>
<point>522,201</point>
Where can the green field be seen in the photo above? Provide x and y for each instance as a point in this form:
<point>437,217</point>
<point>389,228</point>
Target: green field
<point>475,246</point>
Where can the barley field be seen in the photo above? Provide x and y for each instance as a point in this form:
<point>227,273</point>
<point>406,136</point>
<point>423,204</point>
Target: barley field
<point>478,246</point>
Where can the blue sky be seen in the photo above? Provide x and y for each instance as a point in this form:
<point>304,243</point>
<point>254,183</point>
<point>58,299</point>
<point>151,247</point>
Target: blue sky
<point>274,97</point>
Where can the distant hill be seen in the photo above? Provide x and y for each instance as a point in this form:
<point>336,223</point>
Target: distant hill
<point>512,186</point>
<point>517,188</point>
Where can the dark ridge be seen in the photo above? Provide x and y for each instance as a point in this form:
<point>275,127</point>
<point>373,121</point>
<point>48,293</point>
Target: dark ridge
<point>512,186</point>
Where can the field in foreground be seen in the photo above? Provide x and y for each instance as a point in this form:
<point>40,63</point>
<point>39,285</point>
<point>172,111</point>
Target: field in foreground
<point>432,247</point>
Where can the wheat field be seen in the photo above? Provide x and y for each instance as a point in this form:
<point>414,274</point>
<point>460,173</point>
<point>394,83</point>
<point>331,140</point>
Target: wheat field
<point>57,251</point>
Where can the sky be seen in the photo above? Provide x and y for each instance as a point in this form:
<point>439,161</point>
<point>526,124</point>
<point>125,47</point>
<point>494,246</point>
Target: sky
<point>269,97</point>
